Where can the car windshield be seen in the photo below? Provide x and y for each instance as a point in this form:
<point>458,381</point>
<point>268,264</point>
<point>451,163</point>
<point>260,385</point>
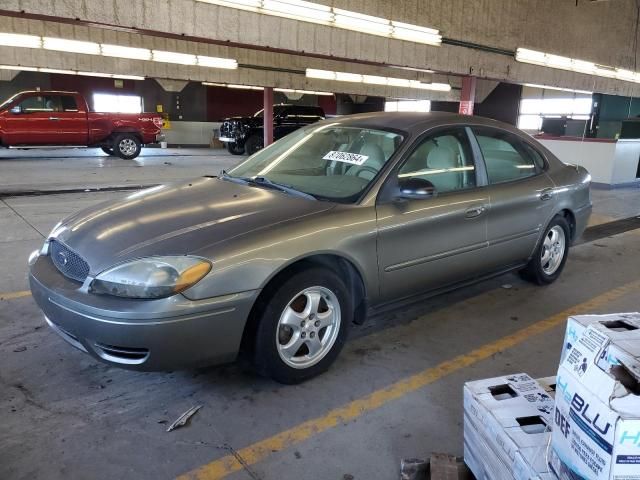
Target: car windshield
<point>330,162</point>
<point>277,109</point>
<point>4,104</point>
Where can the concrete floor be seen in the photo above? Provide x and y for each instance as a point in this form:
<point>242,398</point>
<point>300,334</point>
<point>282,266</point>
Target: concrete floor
<point>65,169</point>
<point>65,415</point>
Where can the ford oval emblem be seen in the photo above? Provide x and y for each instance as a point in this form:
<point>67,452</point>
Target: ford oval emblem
<point>62,257</point>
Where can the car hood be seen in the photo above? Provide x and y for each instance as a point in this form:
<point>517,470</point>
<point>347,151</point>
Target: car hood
<point>177,219</point>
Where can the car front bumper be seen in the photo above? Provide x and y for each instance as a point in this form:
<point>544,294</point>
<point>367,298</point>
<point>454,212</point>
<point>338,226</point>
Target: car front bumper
<point>161,334</point>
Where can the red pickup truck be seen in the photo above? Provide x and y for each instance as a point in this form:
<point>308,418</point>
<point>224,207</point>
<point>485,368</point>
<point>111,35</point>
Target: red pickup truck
<point>51,119</point>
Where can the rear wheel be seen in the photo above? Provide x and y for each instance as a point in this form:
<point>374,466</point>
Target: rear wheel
<point>107,150</point>
<point>253,144</point>
<point>234,148</point>
<point>302,326</point>
<point>127,146</point>
<point>549,259</point>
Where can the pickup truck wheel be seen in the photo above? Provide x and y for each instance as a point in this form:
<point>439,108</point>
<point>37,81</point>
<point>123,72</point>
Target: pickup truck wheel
<point>235,149</point>
<point>107,150</point>
<point>253,144</point>
<point>127,146</point>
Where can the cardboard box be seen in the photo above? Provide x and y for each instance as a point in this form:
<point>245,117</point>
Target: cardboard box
<point>507,427</point>
<point>596,433</point>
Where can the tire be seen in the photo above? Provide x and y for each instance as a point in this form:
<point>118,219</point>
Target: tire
<point>235,149</point>
<point>253,144</point>
<point>108,150</point>
<point>311,309</point>
<point>127,146</point>
<point>550,256</point>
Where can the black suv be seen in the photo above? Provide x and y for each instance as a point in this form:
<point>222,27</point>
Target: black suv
<point>246,134</point>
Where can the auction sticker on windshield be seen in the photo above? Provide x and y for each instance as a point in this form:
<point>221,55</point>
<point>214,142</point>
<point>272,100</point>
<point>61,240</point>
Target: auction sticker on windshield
<point>346,157</point>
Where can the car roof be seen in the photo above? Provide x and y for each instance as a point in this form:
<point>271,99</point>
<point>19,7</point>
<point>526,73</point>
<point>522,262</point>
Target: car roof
<point>414,121</point>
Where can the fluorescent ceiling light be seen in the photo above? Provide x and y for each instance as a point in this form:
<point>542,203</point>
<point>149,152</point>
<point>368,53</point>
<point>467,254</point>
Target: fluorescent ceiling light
<point>118,51</point>
<point>216,62</point>
<point>348,77</point>
<point>362,23</point>
<point>173,57</point>
<point>55,70</point>
<point>545,87</point>
<point>18,67</point>
<point>111,75</point>
<point>299,10</point>
<point>125,52</point>
<point>242,4</point>
<point>322,74</point>
<point>245,87</point>
<point>73,46</point>
<point>376,80</point>
<point>212,84</point>
<point>304,92</point>
<point>19,40</point>
<point>400,82</point>
<point>581,66</point>
<point>336,17</point>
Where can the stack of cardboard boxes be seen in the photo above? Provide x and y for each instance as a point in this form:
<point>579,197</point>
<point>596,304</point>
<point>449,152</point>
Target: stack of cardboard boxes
<point>507,427</point>
<point>515,429</point>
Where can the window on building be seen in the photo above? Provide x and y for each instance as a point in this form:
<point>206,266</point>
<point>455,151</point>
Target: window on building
<point>538,103</point>
<point>107,102</point>
<point>407,106</point>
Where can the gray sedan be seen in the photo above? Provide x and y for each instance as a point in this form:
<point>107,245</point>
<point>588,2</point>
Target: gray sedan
<point>279,256</point>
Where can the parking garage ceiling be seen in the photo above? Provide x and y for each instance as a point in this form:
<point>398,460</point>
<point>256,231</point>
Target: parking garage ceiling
<point>480,38</point>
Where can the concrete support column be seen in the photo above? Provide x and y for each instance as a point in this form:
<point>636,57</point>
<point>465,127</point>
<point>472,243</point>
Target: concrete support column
<point>467,96</point>
<point>268,116</point>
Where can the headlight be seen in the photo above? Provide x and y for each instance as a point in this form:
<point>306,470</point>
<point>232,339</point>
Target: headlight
<point>152,277</point>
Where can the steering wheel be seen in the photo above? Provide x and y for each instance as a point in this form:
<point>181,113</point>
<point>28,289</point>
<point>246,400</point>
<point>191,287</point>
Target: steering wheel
<point>365,168</point>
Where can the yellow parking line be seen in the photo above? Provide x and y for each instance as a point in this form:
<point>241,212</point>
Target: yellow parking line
<point>12,295</point>
<point>260,450</point>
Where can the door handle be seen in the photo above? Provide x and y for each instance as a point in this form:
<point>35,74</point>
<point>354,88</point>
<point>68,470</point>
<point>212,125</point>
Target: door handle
<point>54,118</point>
<point>546,194</point>
<point>476,211</point>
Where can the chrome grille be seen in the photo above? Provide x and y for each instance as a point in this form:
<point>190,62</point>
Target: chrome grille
<point>69,263</point>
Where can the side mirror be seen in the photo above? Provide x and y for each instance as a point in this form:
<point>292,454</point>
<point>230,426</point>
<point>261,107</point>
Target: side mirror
<point>15,110</point>
<point>415,188</point>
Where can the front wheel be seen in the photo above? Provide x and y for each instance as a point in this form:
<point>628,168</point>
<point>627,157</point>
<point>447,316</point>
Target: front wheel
<point>551,255</point>
<point>302,326</point>
<point>235,149</point>
<point>253,144</point>
<point>127,146</point>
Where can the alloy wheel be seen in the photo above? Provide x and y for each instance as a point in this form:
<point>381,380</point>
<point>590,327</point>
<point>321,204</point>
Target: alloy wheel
<point>553,250</point>
<point>308,327</point>
<point>127,146</point>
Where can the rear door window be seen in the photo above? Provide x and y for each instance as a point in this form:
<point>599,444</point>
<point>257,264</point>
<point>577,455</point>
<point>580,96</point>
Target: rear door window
<point>506,157</point>
<point>69,103</point>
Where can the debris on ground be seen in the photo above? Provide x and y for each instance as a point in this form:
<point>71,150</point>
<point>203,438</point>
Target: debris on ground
<point>414,469</point>
<point>182,420</point>
<point>20,349</point>
<point>507,286</point>
<point>448,467</point>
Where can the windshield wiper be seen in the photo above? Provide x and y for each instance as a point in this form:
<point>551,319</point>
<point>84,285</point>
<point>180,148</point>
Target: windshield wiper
<point>266,183</point>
